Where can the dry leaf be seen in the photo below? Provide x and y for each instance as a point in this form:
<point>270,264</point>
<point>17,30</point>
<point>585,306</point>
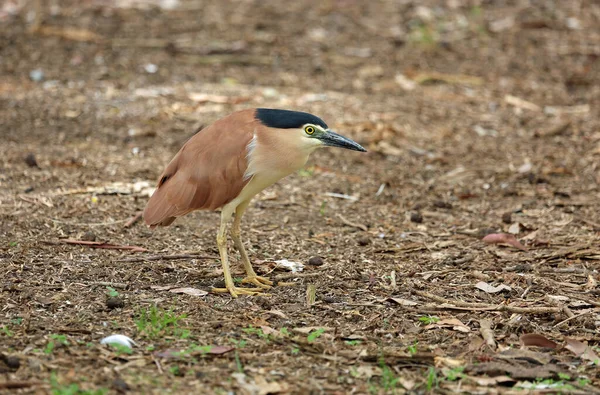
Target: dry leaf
<point>189,291</point>
<point>402,302</point>
<point>504,238</point>
<point>485,328</point>
<point>490,289</point>
<point>533,339</point>
<point>453,323</point>
<point>582,350</point>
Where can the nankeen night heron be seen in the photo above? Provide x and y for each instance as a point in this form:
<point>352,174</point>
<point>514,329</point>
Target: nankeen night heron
<point>227,163</point>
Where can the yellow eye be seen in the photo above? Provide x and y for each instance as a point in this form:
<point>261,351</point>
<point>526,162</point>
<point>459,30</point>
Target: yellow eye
<point>309,130</point>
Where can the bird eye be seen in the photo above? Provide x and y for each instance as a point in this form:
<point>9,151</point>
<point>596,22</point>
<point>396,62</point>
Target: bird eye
<point>309,130</point>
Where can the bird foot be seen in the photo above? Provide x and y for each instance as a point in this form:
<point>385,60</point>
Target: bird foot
<point>260,282</point>
<point>235,291</point>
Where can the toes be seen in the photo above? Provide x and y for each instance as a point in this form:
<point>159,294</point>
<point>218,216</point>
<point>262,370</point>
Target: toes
<point>260,282</point>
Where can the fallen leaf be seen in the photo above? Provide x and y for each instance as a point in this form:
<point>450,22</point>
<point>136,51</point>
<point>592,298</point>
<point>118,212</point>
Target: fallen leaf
<point>490,289</point>
<point>402,302</point>
<point>582,350</point>
<point>189,291</point>
<point>485,328</point>
<point>103,245</point>
<point>504,238</point>
<point>453,323</point>
<point>161,287</point>
<point>533,339</point>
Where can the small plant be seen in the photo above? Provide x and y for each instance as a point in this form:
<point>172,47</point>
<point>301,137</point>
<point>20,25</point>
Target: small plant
<point>238,362</point>
<point>54,340</point>
<point>295,351</point>
<point>238,343</point>
<point>432,379</point>
<point>388,380</point>
<point>455,374</point>
<point>428,319</point>
<point>284,331</point>
<point>111,292</point>
<point>314,335</point>
<point>16,321</point>
<point>57,388</point>
<point>155,322</point>
<point>6,331</point>
<point>121,349</point>
<point>412,349</point>
<point>13,244</point>
<point>352,342</point>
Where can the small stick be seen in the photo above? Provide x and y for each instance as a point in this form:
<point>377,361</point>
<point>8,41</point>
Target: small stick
<point>490,307</point>
<point>485,328</point>
<point>311,294</point>
<point>574,317</point>
<point>133,219</point>
<point>109,284</point>
<point>350,223</point>
<point>166,257</point>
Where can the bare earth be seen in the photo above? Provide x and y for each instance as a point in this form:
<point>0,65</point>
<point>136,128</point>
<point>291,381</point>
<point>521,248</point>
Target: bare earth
<point>480,118</point>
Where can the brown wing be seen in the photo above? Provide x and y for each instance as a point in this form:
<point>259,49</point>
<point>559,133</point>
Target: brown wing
<point>207,172</point>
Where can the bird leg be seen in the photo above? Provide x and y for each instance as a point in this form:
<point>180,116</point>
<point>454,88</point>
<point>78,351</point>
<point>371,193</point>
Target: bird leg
<point>222,245</point>
<point>251,277</point>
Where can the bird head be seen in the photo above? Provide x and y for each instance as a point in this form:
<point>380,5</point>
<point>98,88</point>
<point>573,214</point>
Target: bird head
<point>312,130</point>
<point>316,135</point>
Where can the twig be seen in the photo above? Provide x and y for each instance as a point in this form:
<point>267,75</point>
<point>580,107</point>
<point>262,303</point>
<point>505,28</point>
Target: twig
<point>350,223</point>
<point>485,328</point>
<point>109,284</point>
<point>574,317</point>
<point>166,257</point>
<point>13,385</point>
<point>488,307</point>
<point>133,219</point>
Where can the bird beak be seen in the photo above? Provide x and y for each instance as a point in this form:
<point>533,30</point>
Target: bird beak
<point>332,139</point>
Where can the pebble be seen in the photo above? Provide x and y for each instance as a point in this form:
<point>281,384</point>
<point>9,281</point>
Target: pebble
<point>88,236</point>
<point>315,261</point>
<point>416,217</point>
<point>507,217</point>
<point>364,241</point>
<point>36,75</point>
<point>31,161</point>
<point>114,303</point>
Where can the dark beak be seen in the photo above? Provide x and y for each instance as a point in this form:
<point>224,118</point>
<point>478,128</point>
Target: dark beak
<point>332,139</point>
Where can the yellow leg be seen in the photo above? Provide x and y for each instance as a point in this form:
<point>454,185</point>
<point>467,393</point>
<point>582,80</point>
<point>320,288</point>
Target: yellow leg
<point>251,277</point>
<point>222,245</point>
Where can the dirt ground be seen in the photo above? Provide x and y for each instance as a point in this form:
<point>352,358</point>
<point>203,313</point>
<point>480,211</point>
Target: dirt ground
<point>481,120</point>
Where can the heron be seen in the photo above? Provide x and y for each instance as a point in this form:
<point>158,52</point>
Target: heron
<point>226,164</point>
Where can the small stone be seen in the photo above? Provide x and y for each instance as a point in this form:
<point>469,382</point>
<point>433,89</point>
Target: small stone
<point>442,204</point>
<point>120,385</point>
<point>31,161</point>
<point>507,217</point>
<point>364,241</point>
<point>36,75</point>
<point>315,261</point>
<point>13,362</point>
<point>416,217</point>
<point>88,236</point>
<point>114,303</point>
